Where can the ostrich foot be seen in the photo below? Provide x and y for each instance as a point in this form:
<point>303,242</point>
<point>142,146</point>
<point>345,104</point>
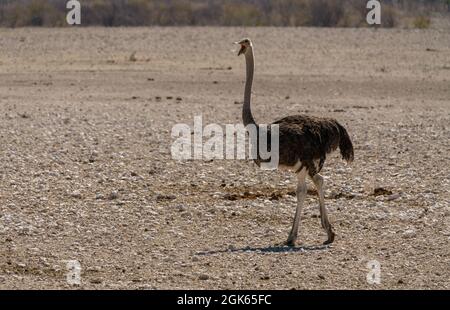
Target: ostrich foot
<point>330,238</point>
<point>289,242</point>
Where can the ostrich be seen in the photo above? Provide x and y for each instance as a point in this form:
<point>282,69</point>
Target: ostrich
<point>304,142</point>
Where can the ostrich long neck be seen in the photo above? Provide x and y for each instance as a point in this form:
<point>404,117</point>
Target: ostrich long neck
<point>246,110</point>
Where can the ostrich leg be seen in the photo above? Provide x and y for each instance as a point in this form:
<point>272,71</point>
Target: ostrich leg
<point>301,195</point>
<point>318,182</point>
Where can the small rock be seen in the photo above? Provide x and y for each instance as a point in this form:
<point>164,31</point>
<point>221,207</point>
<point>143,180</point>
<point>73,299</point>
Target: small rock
<point>203,277</point>
<point>24,115</point>
<point>94,269</point>
<point>151,212</point>
<point>231,197</point>
<point>162,197</point>
<point>113,195</point>
<point>381,191</point>
<point>76,194</point>
<point>181,208</point>
<point>409,233</point>
<point>393,197</point>
<point>132,57</point>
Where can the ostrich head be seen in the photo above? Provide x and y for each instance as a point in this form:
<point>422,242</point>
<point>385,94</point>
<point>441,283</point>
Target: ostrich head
<point>246,45</point>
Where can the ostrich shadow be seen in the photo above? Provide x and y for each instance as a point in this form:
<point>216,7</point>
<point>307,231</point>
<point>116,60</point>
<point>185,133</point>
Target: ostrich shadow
<point>268,249</point>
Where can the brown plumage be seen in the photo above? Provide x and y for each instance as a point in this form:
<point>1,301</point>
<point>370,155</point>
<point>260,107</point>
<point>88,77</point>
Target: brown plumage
<point>304,142</point>
<point>309,139</point>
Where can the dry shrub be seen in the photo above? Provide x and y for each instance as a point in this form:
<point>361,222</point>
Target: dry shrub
<point>326,13</point>
<point>389,16</point>
<point>422,22</point>
<point>35,13</point>
<point>241,15</point>
<point>354,15</point>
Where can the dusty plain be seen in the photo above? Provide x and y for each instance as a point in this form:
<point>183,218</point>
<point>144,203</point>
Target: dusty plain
<point>86,171</point>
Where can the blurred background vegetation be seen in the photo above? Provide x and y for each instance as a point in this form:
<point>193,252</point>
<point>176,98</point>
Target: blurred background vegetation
<point>314,13</point>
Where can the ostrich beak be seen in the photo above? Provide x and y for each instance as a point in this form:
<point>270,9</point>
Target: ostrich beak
<point>242,50</point>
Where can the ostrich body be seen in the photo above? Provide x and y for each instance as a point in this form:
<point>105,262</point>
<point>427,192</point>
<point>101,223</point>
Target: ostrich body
<point>304,142</point>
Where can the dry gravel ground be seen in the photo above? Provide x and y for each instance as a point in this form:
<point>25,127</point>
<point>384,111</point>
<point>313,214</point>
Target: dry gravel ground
<point>86,172</point>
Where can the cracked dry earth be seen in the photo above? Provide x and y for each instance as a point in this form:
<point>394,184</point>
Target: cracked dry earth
<point>86,171</point>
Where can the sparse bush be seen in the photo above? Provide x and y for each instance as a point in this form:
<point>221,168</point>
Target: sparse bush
<point>326,13</point>
<point>241,15</point>
<point>422,22</point>
<point>389,16</point>
<point>35,13</point>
